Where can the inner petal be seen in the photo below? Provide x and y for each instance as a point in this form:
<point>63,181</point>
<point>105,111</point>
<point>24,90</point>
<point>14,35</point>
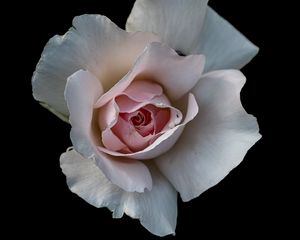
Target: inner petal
<point>141,120</point>
<point>130,136</point>
<point>138,119</point>
<point>161,117</point>
<point>143,90</point>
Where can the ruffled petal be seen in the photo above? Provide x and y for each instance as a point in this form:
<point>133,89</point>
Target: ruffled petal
<point>127,105</point>
<point>161,64</point>
<point>156,209</point>
<point>94,43</point>
<point>223,45</point>
<point>111,141</point>
<point>190,27</point>
<point>177,22</point>
<point>108,115</point>
<point>85,179</point>
<point>142,91</point>
<point>132,138</point>
<point>216,141</point>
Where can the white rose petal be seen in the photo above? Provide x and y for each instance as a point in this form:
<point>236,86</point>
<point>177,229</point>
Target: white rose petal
<point>157,210</point>
<point>216,141</point>
<point>177,22</point>
<point>94,43</point>
<point>223,45</point>
<point>191,27</point>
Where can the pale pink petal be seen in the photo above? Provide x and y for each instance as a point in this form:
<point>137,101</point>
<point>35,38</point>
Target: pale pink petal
<point>143,90</point>
<point>95,44</point>
<point>108,115</point>
<point>165,141</point>
<point>129,174</point>
<point>127,105</point>
<point>173,117</point>
<point>216,141</point>
<point>161,117</point>
<point>111,141</point>
<point>127,134</point>
<point>146,128</point>
<point>82,91</point>
<point>161,64</point>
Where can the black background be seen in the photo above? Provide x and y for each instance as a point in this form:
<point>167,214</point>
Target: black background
<point>243,205</point>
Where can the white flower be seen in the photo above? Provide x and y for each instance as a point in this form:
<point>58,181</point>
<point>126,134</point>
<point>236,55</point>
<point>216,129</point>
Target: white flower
<point>129,98</point>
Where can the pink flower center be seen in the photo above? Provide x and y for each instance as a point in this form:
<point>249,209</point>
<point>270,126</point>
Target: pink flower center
<point>141,120</point>
<point>136,117</point>
<point>142,117</point>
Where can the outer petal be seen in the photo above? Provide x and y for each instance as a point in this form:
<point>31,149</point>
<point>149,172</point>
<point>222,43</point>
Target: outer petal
<point>182,25</point>
<point>95,44</point>
<point>85,179</point>
<point>82,90</point>
<point>156,209</point>
<point>223,45</point>
<point>216,141</point>
<point>178,22</point>
<point>161,64</point>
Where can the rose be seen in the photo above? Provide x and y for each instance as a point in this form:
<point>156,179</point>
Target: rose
<point>95,71</point>
<point>106,125</point>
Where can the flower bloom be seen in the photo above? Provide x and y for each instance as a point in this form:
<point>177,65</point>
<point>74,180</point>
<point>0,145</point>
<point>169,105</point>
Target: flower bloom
<point>130,98</point>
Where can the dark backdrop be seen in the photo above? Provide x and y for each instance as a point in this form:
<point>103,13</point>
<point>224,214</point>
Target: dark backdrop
<point>241,205</point>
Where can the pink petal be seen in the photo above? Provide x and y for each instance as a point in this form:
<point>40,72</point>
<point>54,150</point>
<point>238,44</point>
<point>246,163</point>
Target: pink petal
<point>161,64</point>
<point>111,141</point>
<point>146,128</point>
<point>161,119</point>
<point>108,115</point>
<point>82,91</point>
<point>164,141</point>
<point>130,136</point>
<point>127,105</point>
<point>142,90</point>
